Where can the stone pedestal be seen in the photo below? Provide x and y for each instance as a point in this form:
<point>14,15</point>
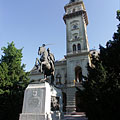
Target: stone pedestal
<point>37,102</point>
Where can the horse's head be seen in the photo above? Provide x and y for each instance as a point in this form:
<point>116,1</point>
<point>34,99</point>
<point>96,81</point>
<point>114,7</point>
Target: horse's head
<point>41,50</point>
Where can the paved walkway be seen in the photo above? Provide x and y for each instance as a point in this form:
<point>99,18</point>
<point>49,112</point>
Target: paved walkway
<point>74,117</point>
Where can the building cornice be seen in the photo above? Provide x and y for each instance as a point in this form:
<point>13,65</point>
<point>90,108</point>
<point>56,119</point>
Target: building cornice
<point>60,63</point>
<point>77,13</point>
<point>76,54</point>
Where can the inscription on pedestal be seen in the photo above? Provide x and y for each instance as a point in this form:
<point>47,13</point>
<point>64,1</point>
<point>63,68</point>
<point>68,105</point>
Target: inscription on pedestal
<point>35,100</point>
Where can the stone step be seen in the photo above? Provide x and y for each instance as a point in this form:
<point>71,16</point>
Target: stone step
<point>71,102</point>
<point>74,117</point>
<point>70,99</point>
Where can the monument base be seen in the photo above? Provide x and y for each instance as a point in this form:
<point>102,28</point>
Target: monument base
<point>42,102</point>
<point>32,117</point>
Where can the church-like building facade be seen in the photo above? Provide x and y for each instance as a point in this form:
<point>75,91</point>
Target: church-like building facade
<point>69,71</point>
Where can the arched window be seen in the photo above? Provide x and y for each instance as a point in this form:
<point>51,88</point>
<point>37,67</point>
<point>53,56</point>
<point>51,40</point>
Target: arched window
<point>74,48</point>
<point>79,47</point>
<point>58,79</point>
<point>78,74</point>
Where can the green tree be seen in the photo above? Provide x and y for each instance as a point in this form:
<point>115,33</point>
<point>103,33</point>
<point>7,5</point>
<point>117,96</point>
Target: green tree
<point>13,81</point>
<point>102,88</point>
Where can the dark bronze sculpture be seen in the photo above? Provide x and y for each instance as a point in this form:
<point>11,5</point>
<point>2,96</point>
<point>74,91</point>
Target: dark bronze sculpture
<point>46,62</point>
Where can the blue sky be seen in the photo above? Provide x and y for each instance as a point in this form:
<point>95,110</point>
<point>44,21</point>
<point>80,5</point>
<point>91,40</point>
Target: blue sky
<point>30,23</point>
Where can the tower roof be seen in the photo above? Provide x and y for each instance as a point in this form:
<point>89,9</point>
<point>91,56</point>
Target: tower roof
<point>75,1</point>
<point>81,11</point>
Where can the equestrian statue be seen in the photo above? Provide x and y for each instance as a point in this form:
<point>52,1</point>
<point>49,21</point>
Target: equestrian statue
<point>46,62</point>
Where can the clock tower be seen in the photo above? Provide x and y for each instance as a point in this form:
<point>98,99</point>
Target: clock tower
<point>77,50</point>
<point>70,70</point>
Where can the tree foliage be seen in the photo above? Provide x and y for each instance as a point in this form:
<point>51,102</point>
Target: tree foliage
<point>102,88</point>
<point>13,81</point>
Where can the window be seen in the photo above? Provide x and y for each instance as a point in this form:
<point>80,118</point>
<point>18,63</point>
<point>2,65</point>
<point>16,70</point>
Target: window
<point>78,74</point>
<point>74,48</point>
<point>79,47</point>
<point>58,79</point>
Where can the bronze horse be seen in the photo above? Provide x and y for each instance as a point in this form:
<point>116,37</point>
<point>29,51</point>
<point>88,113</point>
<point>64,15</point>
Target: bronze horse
<point>46,63</point>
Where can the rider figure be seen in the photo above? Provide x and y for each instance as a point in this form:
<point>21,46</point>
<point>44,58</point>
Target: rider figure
<point>43,45</point>
<point>50,59</point>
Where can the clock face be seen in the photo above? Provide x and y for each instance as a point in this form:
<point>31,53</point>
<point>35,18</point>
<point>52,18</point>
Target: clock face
<point>75,26</point>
